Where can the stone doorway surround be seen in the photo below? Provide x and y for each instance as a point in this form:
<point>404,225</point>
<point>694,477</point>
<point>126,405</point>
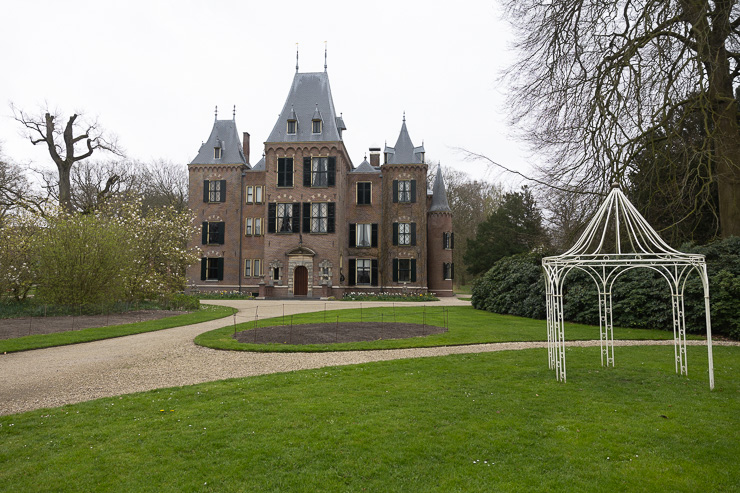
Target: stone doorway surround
<point>300,257</point>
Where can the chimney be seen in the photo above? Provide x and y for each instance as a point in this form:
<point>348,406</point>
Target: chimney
<point>375,156</point>
<point>245,145</point>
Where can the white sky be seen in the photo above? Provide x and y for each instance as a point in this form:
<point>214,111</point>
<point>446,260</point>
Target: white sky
<point>152,72</point>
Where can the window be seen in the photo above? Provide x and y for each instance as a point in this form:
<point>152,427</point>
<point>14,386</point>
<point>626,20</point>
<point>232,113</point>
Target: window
<point>364,232</point>
<point>257,226</point>
<point>212,269</point>
<point>216,153</point>
<point>257,195</point>
<point>404,270</point>
<point>448,240</point>
<point>285,172</point>
<point>256,268</point>
<point>319,172</point>
<point>213,233</point>
<point>276,273</point>
<point>448,271</point>
<point>250,195</point>
<point>364,192</point>
<point>404,191</point>
<point>247,268</point>
<point>364,267</point>
<point>248,227</point>
<point>316,126</point>
<point>292,126</point>
<point>404,234</point>
<point>285,218</point>
<point>319,212</point>
<point>214,190</point>
<point>363,235</point>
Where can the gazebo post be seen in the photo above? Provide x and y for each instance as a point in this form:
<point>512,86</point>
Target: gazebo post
<point>705,282</point>
<point>606,327</point>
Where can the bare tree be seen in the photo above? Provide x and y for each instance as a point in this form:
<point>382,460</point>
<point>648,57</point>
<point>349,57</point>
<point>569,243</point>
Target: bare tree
<point>164,184</point>
<point>67,146</point>
<point>596,81</point>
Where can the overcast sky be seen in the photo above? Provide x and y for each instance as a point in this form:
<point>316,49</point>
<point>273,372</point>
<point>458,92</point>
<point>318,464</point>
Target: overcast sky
<point>153,71</point>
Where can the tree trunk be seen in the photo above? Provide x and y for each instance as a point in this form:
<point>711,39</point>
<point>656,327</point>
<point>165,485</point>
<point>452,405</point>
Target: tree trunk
<point>65,197</point>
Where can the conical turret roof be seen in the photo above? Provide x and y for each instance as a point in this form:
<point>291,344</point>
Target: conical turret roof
<point>439,194</point>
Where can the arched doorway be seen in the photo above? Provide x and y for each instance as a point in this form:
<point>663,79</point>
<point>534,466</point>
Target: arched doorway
<point>300,281</point>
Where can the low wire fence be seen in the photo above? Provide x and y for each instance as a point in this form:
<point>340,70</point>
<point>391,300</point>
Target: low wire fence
<point>260,324</point>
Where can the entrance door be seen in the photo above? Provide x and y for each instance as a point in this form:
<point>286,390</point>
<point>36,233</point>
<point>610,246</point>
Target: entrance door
<point>300,281</point>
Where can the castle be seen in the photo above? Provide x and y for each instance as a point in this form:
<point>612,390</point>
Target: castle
<point>304,221</point>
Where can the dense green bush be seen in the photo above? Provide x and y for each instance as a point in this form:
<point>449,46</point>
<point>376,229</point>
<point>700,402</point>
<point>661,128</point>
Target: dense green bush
<point>641,297</point>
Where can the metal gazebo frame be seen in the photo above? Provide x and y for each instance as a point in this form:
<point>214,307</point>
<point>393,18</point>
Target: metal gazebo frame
<point>618,239</point>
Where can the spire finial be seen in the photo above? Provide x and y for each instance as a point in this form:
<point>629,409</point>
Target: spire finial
<point>324,56</point>
<point>233,114</point>
<point>296,58</point>
<point>216,112</point>
<point>404,116</point>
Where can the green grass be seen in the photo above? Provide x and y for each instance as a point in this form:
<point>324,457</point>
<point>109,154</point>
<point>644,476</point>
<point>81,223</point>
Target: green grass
<point>206,313</point>
<point>463,289</point>
<point>473,423</point>
<point>466,326</point>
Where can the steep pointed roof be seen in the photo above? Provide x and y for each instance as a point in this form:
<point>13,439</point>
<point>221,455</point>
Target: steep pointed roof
<point>309,97</point>
<point>260,166</point>
<point>404,151</point>
<point>439,194</point>
<point>225,136</point>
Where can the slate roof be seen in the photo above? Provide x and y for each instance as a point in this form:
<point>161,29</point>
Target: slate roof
<point>439,194</point>
<point>365,167</point>
<point>260,166</point>
<point>309,96</point>
<point>404,151</point>
<point>225,136</point>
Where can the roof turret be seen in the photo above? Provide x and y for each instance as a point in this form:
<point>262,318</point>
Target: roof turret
<point>404,151</point>
<point>439,194</point>
<point>223,146</point>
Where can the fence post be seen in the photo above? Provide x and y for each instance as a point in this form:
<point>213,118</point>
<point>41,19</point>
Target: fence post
<point>336,331</point>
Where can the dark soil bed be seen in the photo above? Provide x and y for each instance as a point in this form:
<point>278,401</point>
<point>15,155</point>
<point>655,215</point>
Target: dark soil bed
<point>25,326</point>
<point>327,333</point>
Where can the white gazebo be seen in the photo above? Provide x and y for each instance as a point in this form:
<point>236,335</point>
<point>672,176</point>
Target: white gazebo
<point>616,240</point>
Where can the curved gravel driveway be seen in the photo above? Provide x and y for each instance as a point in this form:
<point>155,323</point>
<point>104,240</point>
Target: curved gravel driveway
<point>166,358</point>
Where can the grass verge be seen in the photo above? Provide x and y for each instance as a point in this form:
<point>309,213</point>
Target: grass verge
<point>466,326</point>
<point>206,313</point>
<point>477,422</point>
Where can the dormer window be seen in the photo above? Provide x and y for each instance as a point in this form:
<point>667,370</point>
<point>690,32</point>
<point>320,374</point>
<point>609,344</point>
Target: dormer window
<point>216,153</point>
<point>292,127</point>
<point>421,154</point>
<point>316,126</point>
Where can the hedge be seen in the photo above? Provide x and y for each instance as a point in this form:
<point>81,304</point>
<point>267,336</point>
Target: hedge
<point>641,297</point>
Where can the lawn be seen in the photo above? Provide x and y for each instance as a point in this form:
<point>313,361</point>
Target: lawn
<point>476,422</point>
<point>206,313</point>
<point>466,326</point>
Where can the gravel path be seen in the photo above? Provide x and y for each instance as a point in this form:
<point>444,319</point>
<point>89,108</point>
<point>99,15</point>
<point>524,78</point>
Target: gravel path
<point>81,372</point>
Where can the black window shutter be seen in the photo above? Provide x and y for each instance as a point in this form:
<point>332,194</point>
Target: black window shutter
<point>221,232</point>
<point>352,272</point>
<point>306,171</point>
<point>331,171</point>
<point>271,217</point>
<point>352,235</point>
<point>395,192</point>
<point>374,272</point>
<point>395,270</point>
<point>205,190</point>
<point>452,270</point>
<point>395,234</point>
<point>306,217</point>
<point>331,212</point>
<point>223,191</point>
<point>413,270</point>
<point>203,268</point>
<point>413,233</point>
<point>296,226</point>
<point>220,266</point>
<point>444,241</point>
<point>374,235</point>
<point>289,171</point>
<point>281,172</point>
<point>205,233</point>
<point>413,190</point>
<point>452,241</point>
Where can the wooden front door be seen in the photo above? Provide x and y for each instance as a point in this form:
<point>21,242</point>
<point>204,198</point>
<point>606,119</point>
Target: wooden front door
<point>300,281</point>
